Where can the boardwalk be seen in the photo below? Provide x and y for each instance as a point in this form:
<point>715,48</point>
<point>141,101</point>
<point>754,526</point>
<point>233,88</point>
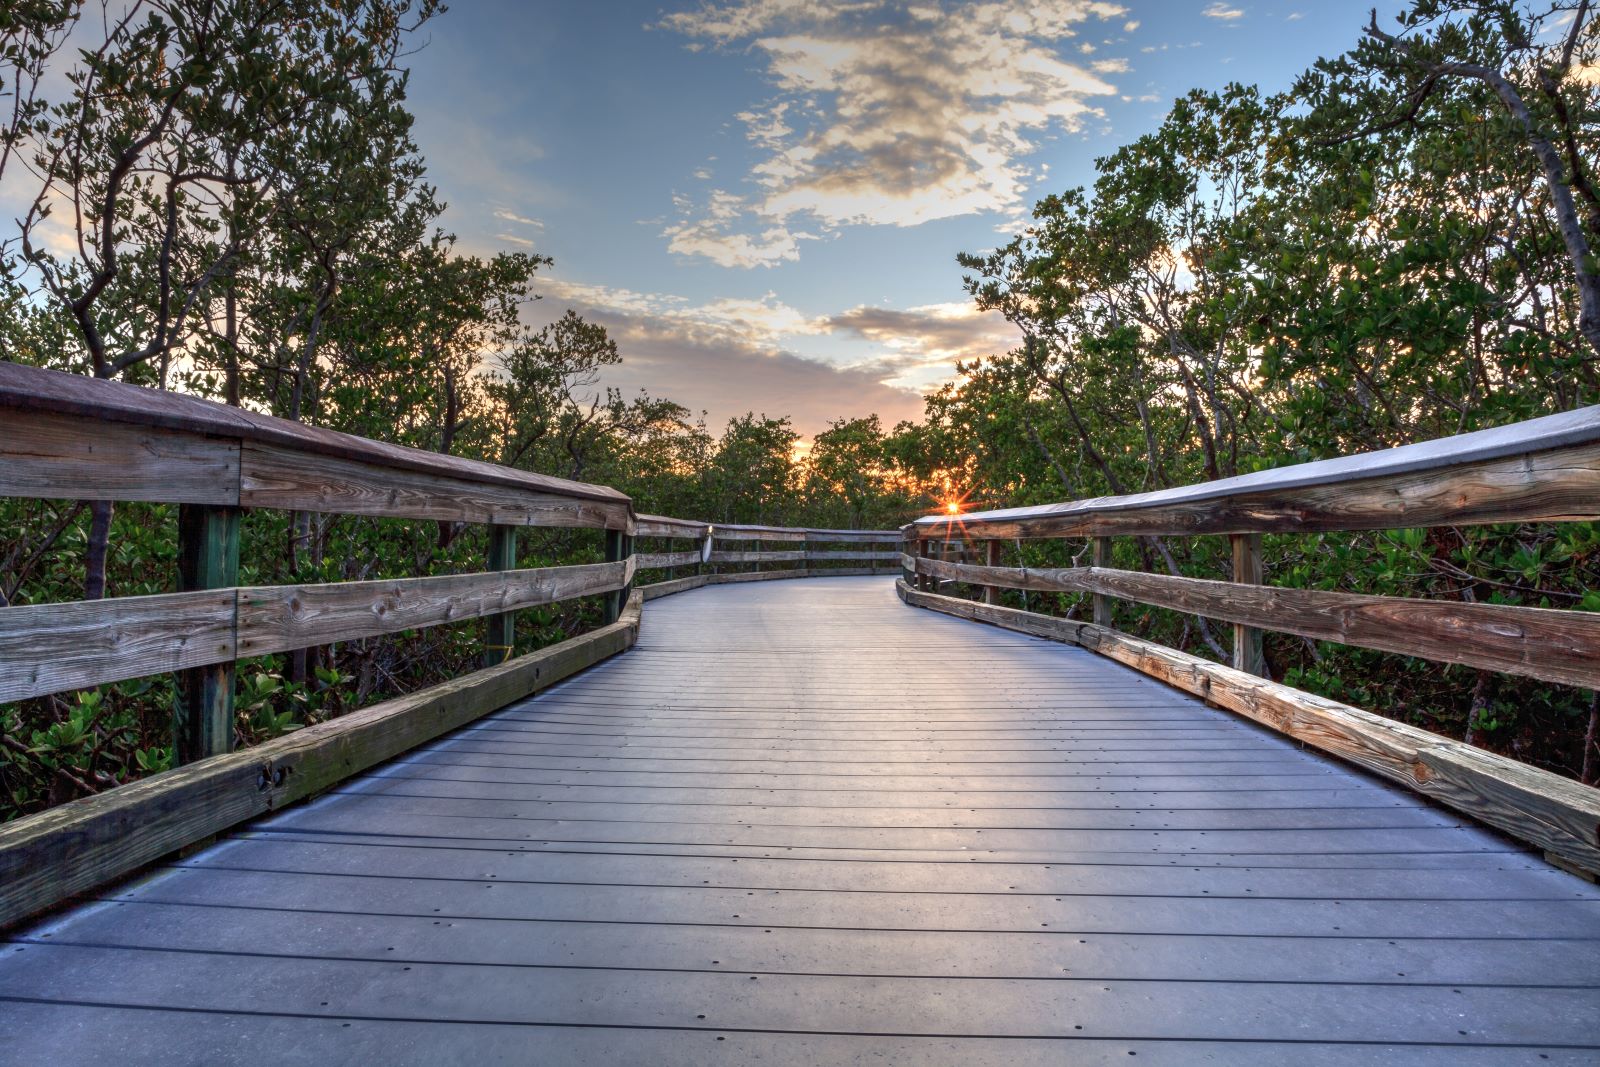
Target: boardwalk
<point>801,822</point>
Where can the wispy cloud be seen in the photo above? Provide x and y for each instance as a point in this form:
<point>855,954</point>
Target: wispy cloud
<point>520,220</point>
<point>731,356</point>
<point>1226,12</point>
<point>886,113</point>
<point>919,345</point>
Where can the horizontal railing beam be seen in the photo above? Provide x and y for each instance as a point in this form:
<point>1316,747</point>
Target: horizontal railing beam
<point>151,445</point>
<point>657,560</point>
<point>779,556</point>
<point>1544,643</point>
<point>48,648</point>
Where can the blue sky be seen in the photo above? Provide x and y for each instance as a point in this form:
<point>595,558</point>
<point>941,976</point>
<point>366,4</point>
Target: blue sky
<point>763,199</point>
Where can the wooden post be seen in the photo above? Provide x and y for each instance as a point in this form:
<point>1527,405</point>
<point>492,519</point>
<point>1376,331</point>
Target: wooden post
<point>500,638</point>
<point>1102,604</point>
<point>1247,651</point>
<point>991,557</point>
<point>208,558</point>
<point>926,582</point>
<point>619,546</point>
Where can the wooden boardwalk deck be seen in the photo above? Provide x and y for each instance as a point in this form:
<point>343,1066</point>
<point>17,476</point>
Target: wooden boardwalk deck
<point>803,823</point>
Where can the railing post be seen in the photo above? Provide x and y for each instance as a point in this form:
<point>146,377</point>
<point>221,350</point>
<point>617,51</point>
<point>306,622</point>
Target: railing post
<point>208,558</point>
<point>991,558</point>
<point>926,582</point>
<point>500,636</point>
<point>1101,557</point>
<point>619,546</point>
<point>1247,650</point>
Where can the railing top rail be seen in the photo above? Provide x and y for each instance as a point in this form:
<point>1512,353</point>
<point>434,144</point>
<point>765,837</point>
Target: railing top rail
<point>1580,427</point>
<point>730,530</point>
<point>666,526</point>
<point>37,389</point>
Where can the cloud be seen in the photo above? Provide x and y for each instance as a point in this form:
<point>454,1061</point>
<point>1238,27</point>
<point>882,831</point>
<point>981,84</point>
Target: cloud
<point>885,114</point>
<point>728,357</point>
<point>921,344</point>
<point>520,220</point>
<point>714,232</point>
<point>1225,12</point>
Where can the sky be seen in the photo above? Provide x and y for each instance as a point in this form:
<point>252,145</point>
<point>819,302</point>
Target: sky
<point>762,200</point>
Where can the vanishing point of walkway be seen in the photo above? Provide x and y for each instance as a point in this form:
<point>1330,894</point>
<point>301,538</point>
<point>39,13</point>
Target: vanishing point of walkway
<point>803,823</point>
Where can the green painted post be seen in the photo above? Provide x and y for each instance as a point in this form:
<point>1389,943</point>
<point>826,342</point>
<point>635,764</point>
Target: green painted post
<point>619,546</point>
<point>500,638</point>
<point>208,558</point>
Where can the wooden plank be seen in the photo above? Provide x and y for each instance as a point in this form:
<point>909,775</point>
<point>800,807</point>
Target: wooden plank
<point>727,556</point>
<point>208,558</point>
<point>100,402</point>
<point>677,585</point>
<point>732,532</point>
<point>661,526</point>
<point>657,560</point>
<point>1559,485</point>
<point>1543,809</point>
<point>1544,643</point>
<point>1536,471</point>
<point>282,617</point>
<point>75,847</point>
<point>63,457</point>
<point>1248,655</point>
<point>890,537</point>
<point>879,555</point>
<point>273,477</point>
<point>48,648</point>
<point>757,576</point>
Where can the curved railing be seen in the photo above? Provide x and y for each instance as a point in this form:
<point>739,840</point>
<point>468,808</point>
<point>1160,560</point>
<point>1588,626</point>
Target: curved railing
<point>74,438</point>
<point>1544,470</point>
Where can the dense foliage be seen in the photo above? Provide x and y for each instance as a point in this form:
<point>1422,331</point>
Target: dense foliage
<point>223,197</point>
<point>1399,247</point>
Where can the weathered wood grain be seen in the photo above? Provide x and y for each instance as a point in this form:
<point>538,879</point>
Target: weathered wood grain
<point>889,537</point>
<point>1545,643</point>
<point>273,477</point>
<point>1101,605</point>
<point>759,576</point>
<point>731,556</point>
<point>824,557</point>
<point>662,526</point>
<point>75,847</point>
<point>757,533</point>
<point>1248,653</point>
<point>676,585</point>
<point>1559,485</point>
<point>47,648</point>
<point>62,457</point>
<point>657,560</point>
<point>1543,809</point>
<point>37,390</point>
<point>282,617</point>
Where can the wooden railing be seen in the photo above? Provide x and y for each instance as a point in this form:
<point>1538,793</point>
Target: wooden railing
<point>1545,470</point>
<point>73,438</point>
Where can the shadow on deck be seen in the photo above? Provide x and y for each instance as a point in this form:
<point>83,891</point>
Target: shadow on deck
<point>801,822</point>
